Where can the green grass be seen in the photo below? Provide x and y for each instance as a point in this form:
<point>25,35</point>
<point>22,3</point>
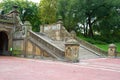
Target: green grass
<point>118,47</point>
<point>105,46</point>
<point>102,45</point>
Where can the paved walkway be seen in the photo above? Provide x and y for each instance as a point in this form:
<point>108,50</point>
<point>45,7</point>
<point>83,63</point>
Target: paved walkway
<point>12,68</point>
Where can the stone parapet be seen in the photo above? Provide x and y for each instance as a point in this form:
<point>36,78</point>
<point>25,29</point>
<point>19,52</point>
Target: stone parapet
<point>72,50</point>
<point>55,31</point>
<point>45,45</point>
<point>88,45</point>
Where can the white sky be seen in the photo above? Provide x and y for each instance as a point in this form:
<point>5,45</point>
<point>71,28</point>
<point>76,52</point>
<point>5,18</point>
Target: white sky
<point>37,1</point>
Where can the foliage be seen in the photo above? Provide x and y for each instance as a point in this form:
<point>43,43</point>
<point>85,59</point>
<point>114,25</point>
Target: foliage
<point>105,46</point>
<point>47,11</point>
<point>92,41</point>
<point>96,19</point>
<point>28,11</point>
<point>99,16</point>
<point>63,11</point>
<point>101,44</point>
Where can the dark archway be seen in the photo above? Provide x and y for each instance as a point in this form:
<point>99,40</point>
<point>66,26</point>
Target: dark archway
<point>3,43</point>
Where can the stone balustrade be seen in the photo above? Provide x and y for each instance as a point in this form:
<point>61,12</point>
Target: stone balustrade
<point>92,47</point>
<point>46,44</point>
<point>6,19</point>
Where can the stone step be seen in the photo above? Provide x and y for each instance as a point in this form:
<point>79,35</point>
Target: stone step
<point>84,53</point>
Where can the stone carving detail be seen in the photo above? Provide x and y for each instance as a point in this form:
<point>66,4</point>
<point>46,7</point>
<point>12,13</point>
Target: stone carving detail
<point>72,50</point>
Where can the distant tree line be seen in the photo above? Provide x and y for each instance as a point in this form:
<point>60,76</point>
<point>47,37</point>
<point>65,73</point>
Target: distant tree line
<point>96,19</point>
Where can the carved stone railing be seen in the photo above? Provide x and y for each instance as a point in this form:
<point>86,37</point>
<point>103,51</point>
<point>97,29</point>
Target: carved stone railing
<point>49,46</point>
<point>6,19</point>
<point>92,47</point>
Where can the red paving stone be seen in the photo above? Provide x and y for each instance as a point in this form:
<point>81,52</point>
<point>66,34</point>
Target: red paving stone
<point>12,68</point>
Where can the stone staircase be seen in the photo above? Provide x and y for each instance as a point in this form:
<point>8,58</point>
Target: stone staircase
<point>46,44</point>
<point>87,54</point>
<point>57,48</point>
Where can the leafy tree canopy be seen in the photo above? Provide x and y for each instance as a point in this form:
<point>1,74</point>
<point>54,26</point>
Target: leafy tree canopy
<point>99,16</point>
<point>47,9</point>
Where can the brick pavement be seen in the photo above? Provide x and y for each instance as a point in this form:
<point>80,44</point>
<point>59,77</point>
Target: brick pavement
<point>12,68</point>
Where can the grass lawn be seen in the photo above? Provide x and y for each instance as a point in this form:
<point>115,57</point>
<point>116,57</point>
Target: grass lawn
<point>102,45</point>
<point>105,46</point>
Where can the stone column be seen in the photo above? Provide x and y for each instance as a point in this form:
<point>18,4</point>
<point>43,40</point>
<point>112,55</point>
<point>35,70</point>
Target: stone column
<point>42,28</point>
<point>59,34</point>
<point>73,34</point>
<point>72,50</point>
<point>26,27</point>
<point>33,50</point>
<point>112,50</point>
<point>10,42</point>
<point>25,47</point>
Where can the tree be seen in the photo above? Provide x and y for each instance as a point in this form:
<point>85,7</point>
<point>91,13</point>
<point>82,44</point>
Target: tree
<point>91,14</point>
<point>47,9</point>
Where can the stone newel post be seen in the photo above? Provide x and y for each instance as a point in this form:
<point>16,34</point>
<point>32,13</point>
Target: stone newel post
<point>72,50</point>
<point>58,33</point>
<point>112,50</point>
<point>73,34</point>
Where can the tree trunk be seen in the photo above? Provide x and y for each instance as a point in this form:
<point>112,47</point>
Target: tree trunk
<point>84,30</point>
<point>90,34</point>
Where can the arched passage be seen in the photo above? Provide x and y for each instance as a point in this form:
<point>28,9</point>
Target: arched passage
<point>3,43</point>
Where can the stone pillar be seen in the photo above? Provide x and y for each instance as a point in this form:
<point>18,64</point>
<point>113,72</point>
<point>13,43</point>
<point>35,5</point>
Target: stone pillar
<point>42,28</point>
<point>33,50</point>
<point>58,33</point>
<point>72,50</point>
<point>26,27</point>
<point>112,50</point>
<point>25,47</point>
<point>10,42</point>
<point>73,34</point>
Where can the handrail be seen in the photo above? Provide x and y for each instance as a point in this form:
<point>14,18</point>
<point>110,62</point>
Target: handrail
<point>91,46</point>
<point>7,19</point>
<point>55,49</point>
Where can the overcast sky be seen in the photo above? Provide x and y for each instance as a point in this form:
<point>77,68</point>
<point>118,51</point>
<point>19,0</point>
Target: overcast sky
<point>37,1</point>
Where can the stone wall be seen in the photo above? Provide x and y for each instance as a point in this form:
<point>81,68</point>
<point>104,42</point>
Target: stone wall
<point>18,44</point>
<point>55,31</point>
<point>38,46</point>
<point>11,24</point>
<point>7,28</point>
<point>19,38</point>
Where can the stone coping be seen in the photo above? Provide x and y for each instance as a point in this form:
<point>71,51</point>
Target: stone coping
<point>46,40</point>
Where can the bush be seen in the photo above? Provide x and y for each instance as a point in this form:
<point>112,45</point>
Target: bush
<point>92,41</point>
<point>101,39</point>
